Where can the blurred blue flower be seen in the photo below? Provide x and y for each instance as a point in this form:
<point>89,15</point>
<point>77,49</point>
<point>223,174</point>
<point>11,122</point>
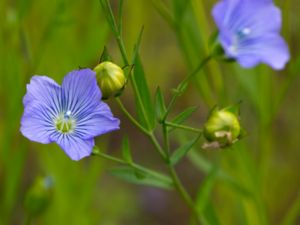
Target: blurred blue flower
<point>250,32</point>
<point>70,115</point>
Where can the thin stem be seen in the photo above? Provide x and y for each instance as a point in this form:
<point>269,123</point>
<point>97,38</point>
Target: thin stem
<point>148,133</point>
<point>181,87</point>
<point>180,188</point>
<point>166,138</point>
<point>184,194</point>
<point>130,117</point>
<point>133,165</point>
<point>158,147</point>
<point>108,157</point>
<point>122,49</point>
<point>183,127</point>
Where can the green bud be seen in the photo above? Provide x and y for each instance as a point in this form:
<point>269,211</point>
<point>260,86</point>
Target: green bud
<point>38,196</point>
<point>110,78</point>
<point>222,128</point>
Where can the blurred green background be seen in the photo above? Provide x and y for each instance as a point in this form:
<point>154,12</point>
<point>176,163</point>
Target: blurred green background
<point>257,180</point>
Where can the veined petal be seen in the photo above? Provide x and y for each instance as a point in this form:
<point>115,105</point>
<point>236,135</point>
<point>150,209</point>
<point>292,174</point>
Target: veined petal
<point>74,147</point>
<point>270,49</point>
<point>98,122</point>
<point>250,32</point>
<point>80,91</point>
<point>45,91</point>
<point>255,15</point>
<point>37,122</point>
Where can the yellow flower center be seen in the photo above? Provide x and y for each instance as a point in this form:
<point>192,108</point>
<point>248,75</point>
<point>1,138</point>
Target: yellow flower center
<point>65,123</point>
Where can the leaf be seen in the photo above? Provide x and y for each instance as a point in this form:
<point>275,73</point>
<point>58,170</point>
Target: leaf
<point>211,215</point>
<point>105,56</point>
<point>205,190</point>
<point>137,45</point>
<point>142,177</point>
<point>183,116</point>
<point>107,10</point>
<point>126,150</point>
<point>160,106</point>
<point>144,105</point>
<point>182,151</point>
<point>205,166</point>
<point>235,109</point>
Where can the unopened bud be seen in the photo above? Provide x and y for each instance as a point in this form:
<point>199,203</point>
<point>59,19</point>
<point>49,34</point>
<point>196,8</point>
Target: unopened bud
<point>222,128</point>
<point>38,196</point>
<point>110,78</point>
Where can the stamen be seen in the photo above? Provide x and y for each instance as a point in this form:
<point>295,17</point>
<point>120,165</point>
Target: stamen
<point>65,123</point>
<point>246,31</point>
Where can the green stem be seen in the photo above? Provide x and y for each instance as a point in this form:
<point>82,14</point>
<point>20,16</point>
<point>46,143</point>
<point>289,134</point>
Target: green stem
<point>130,117</point>
<point>184,194</point>
<point>97,152</point>
<point>158,147</point>
<point>180,188</point>
<point>148,133</point>
<point>183,127</point>
<point>133,165</point>
<point>183,84</point>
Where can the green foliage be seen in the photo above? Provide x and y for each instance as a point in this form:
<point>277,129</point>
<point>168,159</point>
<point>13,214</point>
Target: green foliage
<point>180,152</point>
<point>144,105</point>
<point>240,185</point>
<point>143,177</point>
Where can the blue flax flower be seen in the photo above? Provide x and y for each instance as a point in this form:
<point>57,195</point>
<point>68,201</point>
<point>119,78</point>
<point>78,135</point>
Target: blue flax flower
<point>250,32</point>
<point>70,115</point>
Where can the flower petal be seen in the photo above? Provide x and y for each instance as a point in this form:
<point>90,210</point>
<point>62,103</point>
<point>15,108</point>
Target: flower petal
<point>41,102</point>
<point>270,49</point>
<point>80,91</point>
<point>76,148</point>
<point>251,14</point>
<point>98,122</point>
<point>37,122</point>
<point>45,91</point>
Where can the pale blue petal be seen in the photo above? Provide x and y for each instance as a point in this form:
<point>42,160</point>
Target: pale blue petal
<point>37,123</point>
<point>41,105</point>
<point>270,49</point>
<point>250,32</point>
<point>74,147</point>
<point>98,122</point>
<point>45,91</point>
<point>81,93</point>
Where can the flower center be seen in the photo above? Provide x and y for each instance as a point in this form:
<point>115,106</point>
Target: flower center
<point>238,37</point>
<point>65,123</point>
<point>244,32</point>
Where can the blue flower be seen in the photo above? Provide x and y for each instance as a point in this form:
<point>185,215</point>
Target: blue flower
<point>70,115</point>
<point>250,32</point>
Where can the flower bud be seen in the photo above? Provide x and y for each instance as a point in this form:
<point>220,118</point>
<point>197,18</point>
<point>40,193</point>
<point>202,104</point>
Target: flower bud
<point>222,128</point>
<point>110,78</point>
<point>38,196</point>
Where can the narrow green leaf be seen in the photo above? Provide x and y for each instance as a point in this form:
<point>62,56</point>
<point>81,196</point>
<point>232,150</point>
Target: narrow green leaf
<point>137,46</point>
<point>140,177</point>
<point>160,106</point>
<point>144,105</point>
<point>183,116</point>
<point>235,109</point>
<point>293,212</point>
<point>107,10</point>
<point>183,150</point>
<point>205,190</point>
<point>105,55</point>
<point>205,166</point>
<point>211,215</point>
<point>120,15</point>
<point>126,150</point>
